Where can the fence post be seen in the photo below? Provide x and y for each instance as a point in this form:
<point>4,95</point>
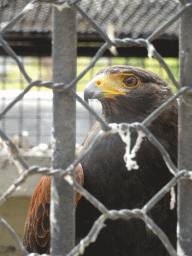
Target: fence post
<point>64,70</point>
<point>184,226</point>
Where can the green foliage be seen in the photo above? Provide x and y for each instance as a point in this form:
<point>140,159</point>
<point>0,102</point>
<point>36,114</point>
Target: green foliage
<point>11,79</point>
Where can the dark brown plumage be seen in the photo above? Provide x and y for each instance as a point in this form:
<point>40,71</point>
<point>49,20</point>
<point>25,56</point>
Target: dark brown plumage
<point>127,94</point>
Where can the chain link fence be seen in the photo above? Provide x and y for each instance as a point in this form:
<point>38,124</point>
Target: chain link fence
<point>33,114</point>
<point>66,89</point>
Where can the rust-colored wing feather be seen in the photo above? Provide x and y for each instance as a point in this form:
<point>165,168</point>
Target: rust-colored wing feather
<point>37,226</point>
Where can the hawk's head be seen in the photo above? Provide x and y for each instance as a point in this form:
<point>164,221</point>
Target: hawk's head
<point>130,94</point>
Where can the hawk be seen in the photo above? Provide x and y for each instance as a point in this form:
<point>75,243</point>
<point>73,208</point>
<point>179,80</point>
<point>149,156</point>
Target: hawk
<point>127,94</point>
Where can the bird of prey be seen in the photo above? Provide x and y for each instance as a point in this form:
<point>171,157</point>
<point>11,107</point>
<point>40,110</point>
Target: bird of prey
<point>127,94</point>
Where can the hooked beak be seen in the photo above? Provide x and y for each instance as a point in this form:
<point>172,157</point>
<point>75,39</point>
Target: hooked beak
<point>92,91</point>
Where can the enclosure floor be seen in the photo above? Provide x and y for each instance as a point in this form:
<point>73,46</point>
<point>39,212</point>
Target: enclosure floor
<point>14,211</point>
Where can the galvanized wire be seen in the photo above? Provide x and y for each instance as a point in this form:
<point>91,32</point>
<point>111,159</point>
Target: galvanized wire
<point>26,170</point>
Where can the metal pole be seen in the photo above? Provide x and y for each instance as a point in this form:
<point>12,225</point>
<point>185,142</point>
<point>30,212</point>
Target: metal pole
<point>64,70</point>
<point>184,226</point>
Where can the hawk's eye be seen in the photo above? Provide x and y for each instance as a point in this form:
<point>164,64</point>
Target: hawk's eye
<point>130,81</point>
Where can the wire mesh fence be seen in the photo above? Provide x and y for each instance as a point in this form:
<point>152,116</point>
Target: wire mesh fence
<point>38,123</point>
<point>129,20</point>
<point>123,129</point>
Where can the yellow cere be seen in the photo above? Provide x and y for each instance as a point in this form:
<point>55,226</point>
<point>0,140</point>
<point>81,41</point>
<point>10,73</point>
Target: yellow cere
<point>112,84</point>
